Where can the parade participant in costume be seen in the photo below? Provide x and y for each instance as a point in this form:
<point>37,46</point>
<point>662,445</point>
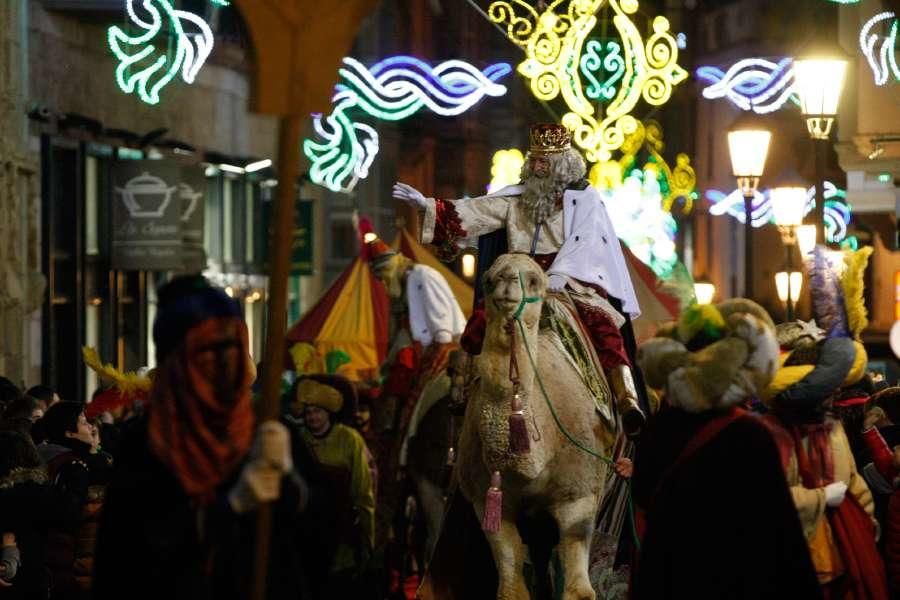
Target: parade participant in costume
<point>342,453</point>
<point>558,218</point>
<point>882,437</point>
<point>720,522</point>
<point>180,509</point>
<point>435,321</point>
<point>833,501</point>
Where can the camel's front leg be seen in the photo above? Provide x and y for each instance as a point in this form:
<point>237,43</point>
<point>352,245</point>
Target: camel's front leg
<point>509,558</point>
<point>576,527</point>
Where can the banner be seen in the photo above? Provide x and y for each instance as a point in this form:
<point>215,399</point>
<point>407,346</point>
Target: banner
<point>158,210</point>
<point>192,189</point>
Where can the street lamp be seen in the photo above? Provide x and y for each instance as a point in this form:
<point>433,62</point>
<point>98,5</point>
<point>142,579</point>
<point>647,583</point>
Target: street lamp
<point>705,291</point>
<point>819,80</point>
<point>788,202</point>
<point>786,292</point>
<point>748,145</point>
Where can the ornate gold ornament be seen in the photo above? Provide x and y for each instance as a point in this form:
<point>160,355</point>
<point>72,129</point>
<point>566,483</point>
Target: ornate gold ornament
<point>553,41</point>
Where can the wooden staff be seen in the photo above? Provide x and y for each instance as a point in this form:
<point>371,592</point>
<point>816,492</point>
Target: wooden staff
<point>279,269</point>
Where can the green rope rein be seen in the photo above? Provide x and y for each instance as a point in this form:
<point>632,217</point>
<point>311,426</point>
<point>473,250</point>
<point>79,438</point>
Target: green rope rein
<point>574,441</point>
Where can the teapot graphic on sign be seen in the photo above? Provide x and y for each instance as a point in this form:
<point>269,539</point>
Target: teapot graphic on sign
<point>146,196</point>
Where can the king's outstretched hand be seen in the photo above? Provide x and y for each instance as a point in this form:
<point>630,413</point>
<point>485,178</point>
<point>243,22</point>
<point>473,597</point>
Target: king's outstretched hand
<point>408,194</point>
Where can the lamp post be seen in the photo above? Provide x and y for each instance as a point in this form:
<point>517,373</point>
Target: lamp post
<point>748,145</point>
<point>819,80</point>
<point>788,201</point>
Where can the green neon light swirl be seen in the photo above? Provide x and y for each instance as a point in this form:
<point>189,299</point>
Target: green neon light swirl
<point>594,62</point>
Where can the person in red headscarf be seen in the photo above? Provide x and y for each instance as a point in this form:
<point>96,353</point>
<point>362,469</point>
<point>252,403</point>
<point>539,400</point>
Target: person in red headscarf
<point>178,519</point>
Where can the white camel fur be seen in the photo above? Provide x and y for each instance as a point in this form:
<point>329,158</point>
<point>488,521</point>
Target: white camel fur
<point>554,475</point>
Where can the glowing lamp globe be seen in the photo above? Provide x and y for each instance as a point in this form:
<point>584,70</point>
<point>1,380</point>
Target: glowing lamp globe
<point>781,284</point>
<point>369,237</point>
<point>748,146</point>
<point>788,205</point>
<point>704,291</point>
<point>468,266</point>
<point>819,81</point>
<point>806,239</point>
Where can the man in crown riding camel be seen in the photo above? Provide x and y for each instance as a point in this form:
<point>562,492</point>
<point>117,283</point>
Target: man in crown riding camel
<point>560,220</point>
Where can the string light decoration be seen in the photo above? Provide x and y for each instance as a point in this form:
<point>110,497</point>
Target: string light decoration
<point>837,212</point>
<point>506,168</point>
<point>676,183</point>
<point>594,61</point>
<point>636,211</point>
<point>145,65</point>
<point>553,41</point>
<point>392,89</point>
<point>886,61</point>
<point>753,84</point>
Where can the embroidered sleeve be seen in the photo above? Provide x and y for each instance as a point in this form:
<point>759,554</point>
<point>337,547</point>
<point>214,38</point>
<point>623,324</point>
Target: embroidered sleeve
<point>881,453</point>
<point>448,230</point>
<point>449,224</point>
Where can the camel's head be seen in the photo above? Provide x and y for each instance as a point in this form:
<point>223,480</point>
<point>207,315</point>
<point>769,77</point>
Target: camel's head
<point>512,279</point>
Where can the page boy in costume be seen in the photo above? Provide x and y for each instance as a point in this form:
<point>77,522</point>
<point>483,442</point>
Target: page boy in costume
<point>559,219</point>
<point>833,501</point>
<point>435,323</point>
<point>720,522</point>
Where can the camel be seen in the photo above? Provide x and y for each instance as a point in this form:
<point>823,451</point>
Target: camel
<point>554,476</point>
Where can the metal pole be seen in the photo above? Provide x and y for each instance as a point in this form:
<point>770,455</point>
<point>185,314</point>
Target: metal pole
<point>748,245</point>
<point>279,267</point>
<point>790,267</point>
<point>820,147</point>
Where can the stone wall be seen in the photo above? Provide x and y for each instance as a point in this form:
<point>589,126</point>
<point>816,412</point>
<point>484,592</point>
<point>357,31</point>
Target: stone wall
<point>21,283</point>
<point>72,70</point>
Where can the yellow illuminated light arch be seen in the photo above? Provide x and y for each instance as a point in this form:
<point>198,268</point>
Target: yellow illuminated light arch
<point>681,180</point>
<point>553,41</point>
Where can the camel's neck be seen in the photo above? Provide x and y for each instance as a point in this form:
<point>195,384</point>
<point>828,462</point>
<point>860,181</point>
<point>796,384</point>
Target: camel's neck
<point>501,340</point>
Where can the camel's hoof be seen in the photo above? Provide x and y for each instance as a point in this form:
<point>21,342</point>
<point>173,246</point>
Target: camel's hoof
<point>633,421</point>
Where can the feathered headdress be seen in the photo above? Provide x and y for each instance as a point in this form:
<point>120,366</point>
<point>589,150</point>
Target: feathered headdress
<point>827,295</point>
<point>853,286</point>
<point>126,387</point>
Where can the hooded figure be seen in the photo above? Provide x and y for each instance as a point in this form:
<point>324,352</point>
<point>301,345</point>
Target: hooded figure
<point>832,498</point>
<point>720,522</point>
<point>178,521</point>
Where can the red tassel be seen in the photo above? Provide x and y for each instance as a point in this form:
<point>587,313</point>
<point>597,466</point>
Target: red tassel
<point>493,505</point>
<point>518,428</point>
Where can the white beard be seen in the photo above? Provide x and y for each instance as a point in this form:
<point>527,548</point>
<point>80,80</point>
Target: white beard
<point>540,196</point>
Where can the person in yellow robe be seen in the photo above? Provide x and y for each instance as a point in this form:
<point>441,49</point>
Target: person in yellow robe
<point>342,454</point>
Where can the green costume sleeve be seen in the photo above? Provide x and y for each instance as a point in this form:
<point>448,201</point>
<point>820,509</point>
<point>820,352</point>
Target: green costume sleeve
<point>361,489</point>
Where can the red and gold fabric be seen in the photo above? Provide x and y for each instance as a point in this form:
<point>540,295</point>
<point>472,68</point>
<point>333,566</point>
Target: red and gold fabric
<point>352,317</point>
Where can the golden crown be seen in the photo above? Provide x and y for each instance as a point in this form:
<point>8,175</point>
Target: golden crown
<point>549,138</point>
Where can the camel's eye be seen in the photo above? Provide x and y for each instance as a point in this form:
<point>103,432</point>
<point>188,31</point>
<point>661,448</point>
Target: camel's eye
<point>488,284</point>
<point>532,281</point>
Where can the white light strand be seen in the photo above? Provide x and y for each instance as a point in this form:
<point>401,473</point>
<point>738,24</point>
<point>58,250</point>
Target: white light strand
<point>887,60</point>
<point>753,84</point>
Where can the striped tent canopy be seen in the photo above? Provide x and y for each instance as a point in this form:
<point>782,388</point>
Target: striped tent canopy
<point>411,248</point>
<point>350,318</point>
